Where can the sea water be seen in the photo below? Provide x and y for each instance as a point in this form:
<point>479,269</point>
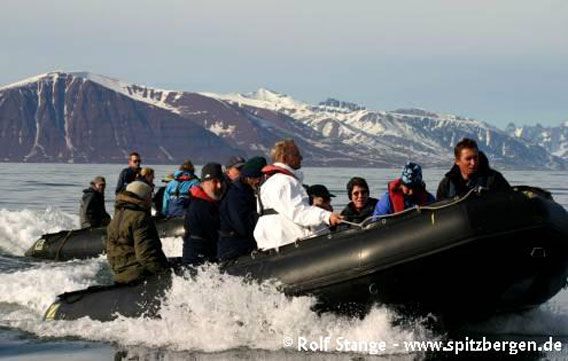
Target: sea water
<point>213,316</point>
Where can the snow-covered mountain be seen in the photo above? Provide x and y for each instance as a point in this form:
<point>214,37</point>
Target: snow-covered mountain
<point>392,137</point>
<point>84,117</point>
<point>553,139</point>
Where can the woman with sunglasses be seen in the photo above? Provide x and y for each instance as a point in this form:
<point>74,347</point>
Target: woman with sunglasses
<point>361,205</point>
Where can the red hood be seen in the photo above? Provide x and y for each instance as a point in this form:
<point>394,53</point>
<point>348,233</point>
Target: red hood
<point>198,192</point>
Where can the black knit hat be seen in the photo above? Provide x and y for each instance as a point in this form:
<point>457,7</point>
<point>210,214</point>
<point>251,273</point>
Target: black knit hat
<point>253,167</point>
<point>212,171</point>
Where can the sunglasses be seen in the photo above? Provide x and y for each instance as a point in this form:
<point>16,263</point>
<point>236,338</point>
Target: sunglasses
<point>362,193</point>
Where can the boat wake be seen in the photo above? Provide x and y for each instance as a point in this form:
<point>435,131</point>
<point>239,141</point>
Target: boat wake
<point>19,229</point>
<point>211,312</point>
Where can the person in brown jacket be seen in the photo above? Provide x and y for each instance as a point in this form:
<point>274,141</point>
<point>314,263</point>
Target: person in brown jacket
<point>134,249</point>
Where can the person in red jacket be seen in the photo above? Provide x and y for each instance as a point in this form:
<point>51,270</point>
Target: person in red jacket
<point>405,192</point>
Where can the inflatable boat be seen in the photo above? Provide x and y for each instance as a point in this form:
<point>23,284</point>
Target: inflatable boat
<point>477,256</point>
<point>89,242</point>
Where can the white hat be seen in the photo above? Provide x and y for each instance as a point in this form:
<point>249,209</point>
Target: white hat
<point>141,189</point>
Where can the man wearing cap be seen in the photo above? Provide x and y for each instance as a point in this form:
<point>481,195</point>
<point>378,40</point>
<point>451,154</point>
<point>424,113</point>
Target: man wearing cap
<point>92,211</point>
<point>320,196</point>
<point>405,192</point>
<point>285,213</point>
<point>134,249</point>
<point>237,212</point>
<point>233,168</point>
<point>202,217</point>
<point>130,173</point>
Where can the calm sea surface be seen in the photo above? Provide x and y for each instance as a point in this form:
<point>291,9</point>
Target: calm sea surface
<point>214,317</point>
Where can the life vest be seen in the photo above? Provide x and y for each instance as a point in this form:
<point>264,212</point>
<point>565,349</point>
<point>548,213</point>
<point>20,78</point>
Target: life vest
<point>272,169</point>
<point>397,197</point>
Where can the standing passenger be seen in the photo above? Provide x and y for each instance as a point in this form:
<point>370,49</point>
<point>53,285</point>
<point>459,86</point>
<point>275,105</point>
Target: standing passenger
<point>129,174</point>
<point>285,213</point>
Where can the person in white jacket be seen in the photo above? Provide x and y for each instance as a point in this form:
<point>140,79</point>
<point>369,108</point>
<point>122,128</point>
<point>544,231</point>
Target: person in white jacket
<point>285,213</point>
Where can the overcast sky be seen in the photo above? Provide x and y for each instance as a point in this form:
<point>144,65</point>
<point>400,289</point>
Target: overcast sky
<point>498,61</point>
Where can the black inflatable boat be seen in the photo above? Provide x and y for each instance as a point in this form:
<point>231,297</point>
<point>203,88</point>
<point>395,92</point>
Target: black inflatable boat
<point>89,242</point>
<point>474,257</point>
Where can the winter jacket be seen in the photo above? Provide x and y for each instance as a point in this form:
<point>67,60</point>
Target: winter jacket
<point>92,211</point>
<point>351,214</point>
<point>134,250</point>
<point>126,176</point>
<point>394,201</point>
<point>237,215</point>
<point>201,228</point>
<point>288,216</point>
<point>453,184</point>
<point>176,195</point>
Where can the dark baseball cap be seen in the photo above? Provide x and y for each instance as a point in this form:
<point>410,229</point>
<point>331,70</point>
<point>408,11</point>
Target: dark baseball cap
<point>319,190</point>
<point>236,162</point>
<point>212,171</point>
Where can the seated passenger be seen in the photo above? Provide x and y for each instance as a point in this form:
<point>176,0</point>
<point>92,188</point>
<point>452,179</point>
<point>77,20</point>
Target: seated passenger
<point>146,175</point>
<point>158,199</point>
<point>361,206</point>
<point>176,195</point>
<point>405,192</point>
<point>202,217</point>
<point>134,249</point>
<point>92,211</point>
<point>320,196</point>
<point>285,213</point>
<point>237,212</point>
<point>471,170</point>
<point>233,168</point>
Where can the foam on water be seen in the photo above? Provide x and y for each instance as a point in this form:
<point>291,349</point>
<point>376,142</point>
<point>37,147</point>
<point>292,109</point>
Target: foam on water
<point>211,312</point>
<point>172,246</point>
<point>215,312</point>
<point>35,288</point>
<point>20,229</point>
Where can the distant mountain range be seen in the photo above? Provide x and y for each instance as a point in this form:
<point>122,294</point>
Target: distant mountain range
<point>553,139</point>
<point>84,117</point>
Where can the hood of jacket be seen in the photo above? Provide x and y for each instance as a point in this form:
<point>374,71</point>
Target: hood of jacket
<point>130,200</point>
<point>199,193</point>
<point>183,175</point>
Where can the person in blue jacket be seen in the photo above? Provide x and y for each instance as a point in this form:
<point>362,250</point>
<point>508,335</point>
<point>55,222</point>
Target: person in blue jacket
<point>405,192</point>
<point>177,193</point>
<point>237,212</point>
